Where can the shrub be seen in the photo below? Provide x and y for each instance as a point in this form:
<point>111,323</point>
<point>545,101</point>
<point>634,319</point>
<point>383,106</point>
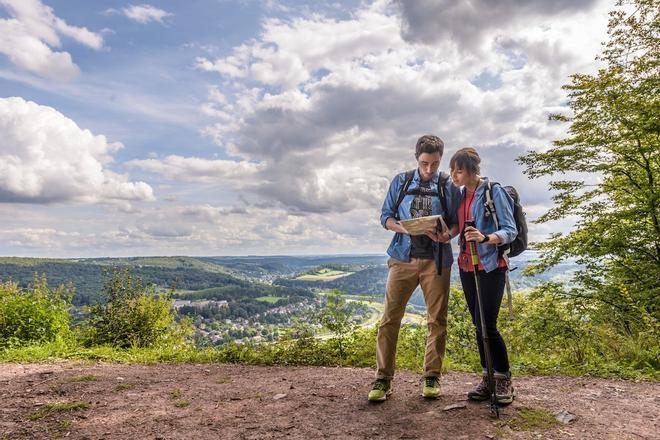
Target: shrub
<point>133,315</point>
<point>34,315</point>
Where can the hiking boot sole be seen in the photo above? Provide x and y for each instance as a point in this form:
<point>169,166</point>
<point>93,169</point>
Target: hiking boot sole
<point>477,397</point>
<point>430,396</point>
<point>380,399</point>
<point>502,400</point>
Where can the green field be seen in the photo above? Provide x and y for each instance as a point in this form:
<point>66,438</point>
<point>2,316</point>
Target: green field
<point>323,275</point>
<point>270,299</point>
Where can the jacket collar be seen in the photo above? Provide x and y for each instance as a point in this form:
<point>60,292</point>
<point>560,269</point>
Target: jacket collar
<point>434,179</point>
<point>480,189</point>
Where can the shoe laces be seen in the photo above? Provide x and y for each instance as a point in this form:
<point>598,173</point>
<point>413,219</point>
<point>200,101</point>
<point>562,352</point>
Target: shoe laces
<point>380,385</point>
<point>503,386</point>
<point>430,381</point>
<point>483,385</point>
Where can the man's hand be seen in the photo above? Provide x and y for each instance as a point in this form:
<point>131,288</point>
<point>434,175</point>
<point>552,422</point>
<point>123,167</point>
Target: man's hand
<point>441,237</point>
<point>393,225</point>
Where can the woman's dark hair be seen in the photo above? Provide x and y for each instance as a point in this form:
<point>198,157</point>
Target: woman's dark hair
<point>429,144</point>
<point>466,159</point>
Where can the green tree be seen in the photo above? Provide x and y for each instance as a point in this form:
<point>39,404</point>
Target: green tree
<point>336,317</point>
<point>613,144</point>
<point>132,314</point>
<point>34,315</point>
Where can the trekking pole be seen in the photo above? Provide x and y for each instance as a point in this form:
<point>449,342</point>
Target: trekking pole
<point>494,409</point>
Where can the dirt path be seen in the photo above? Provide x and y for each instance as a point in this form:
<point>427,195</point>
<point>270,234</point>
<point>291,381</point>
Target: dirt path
<point>109,401</point>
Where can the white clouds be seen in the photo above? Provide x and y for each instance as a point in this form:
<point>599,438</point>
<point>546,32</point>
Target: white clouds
<point>470,24</point>
<point>32,32</point>
<point>194,169</point>
<point>333,107</point>
<point>199,230</point>
<point>45,157</point>
<point>145,13</point>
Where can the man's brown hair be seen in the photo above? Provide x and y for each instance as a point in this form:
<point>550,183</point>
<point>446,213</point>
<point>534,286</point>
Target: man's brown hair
<point>466,159</point>
<point>429,144</point>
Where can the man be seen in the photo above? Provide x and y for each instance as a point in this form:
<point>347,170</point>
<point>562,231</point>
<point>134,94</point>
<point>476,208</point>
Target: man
<point>423,260</point>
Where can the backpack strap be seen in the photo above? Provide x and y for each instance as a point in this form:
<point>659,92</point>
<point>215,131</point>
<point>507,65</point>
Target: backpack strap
<point>490,206</point>
<point>408,179</point>
<point>442,182</point>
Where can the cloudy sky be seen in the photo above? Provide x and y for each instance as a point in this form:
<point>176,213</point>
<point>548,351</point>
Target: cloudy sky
<point>233,127</point>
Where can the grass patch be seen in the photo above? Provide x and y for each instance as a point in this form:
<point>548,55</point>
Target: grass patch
<point>531,419</point>
<point>269,299</point>
<point>181,403</point>
<point>57,408</point>
<point>323,275</point>
<point>64,425</point>
<point>124,386</point>
<point>85,378</point>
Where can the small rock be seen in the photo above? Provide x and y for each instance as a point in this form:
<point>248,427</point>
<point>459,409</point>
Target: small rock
<point>292,387</point>
<point>279,396</point>
<point>119,378</point>
<point>566,417</point>
<point>455,406</point>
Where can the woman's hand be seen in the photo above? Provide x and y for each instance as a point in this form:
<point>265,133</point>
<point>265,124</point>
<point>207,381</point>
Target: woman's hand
<point>473,234</point>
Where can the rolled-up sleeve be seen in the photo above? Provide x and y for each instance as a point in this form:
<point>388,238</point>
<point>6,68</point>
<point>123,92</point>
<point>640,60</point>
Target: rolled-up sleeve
<point>507,231</point>
<point>387,210</point>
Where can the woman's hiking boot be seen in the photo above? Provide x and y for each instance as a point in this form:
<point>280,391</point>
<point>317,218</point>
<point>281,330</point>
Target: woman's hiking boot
<point>431,389</point>
<point>481,391</point>
<point>504,392</point>
<point>380,390</point>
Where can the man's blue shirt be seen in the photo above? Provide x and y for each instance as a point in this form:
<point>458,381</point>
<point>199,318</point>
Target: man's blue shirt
<point>399,248</point>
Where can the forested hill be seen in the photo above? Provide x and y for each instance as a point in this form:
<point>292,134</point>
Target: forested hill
<point>88,275</point>
<point>371,280</point>
<point>243,276</point>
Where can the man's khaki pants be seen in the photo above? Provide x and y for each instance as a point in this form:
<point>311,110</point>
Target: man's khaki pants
<point>402,280</point>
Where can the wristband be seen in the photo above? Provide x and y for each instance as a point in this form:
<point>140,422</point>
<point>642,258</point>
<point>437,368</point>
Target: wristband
<point>486,238</point>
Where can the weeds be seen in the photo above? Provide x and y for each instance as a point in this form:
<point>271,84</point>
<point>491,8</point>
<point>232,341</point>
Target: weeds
<point>85,378</point>
<point>57,408</point>
<point>531,419</point>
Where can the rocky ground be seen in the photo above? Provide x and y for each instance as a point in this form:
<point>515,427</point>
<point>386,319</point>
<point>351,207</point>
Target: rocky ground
<point>110,401</point>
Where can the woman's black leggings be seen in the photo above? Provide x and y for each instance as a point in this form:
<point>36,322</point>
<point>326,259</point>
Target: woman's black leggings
<point>492,290</point>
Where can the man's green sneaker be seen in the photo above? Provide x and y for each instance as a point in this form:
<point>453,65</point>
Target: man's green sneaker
<point>381,389</point>
<point>431,388</point>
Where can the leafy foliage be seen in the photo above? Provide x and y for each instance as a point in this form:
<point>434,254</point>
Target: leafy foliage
<point>336,317</point>
<point>132,314</point>
<point>614,144</point>
<point>36,314</point>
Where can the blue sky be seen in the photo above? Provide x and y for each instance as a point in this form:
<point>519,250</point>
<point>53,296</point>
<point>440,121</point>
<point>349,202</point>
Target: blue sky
<point>219,127</point>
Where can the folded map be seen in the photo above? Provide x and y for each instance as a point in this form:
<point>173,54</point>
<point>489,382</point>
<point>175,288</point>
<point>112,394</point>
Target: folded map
<point>419,225</point>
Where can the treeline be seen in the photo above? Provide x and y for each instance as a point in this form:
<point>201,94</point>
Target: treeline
<point>87,279</point>
<point>248,290</point>
<point>246,308</point>
<point>132,323</point>
<point>289,265</point>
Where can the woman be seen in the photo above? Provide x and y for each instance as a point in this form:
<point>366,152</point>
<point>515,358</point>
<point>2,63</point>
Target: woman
<point>492,267</point>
